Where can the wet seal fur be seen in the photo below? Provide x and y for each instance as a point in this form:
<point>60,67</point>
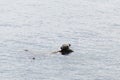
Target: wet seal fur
<point>65,49</point>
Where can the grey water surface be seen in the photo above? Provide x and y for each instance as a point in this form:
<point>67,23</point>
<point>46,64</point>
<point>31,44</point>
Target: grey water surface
<point>42,26</point>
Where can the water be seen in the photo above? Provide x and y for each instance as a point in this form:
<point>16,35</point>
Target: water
<point>41,26</point>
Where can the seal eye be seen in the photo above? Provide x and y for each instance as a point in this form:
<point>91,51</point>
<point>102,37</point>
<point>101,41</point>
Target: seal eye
<point>69,44</point>
<point>61,47</point>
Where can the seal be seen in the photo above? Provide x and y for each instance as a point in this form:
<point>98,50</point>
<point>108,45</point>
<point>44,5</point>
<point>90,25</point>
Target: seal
<point>65,49</point>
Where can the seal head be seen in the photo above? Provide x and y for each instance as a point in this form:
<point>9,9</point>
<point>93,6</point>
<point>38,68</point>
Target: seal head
<point>65,49</point>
